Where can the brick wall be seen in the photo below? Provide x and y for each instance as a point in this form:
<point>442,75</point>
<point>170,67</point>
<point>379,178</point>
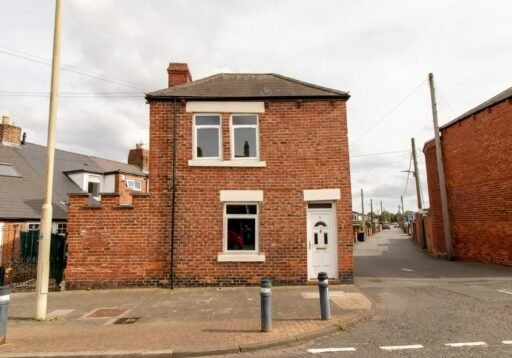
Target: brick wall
<point>478,168</point>
<point>305,147</point>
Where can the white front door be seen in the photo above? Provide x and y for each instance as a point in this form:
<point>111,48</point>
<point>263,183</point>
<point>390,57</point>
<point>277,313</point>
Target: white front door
<point>322,243</point>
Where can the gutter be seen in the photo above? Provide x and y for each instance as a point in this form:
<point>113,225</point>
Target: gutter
<point>149,97</point>
<point>173,207</point>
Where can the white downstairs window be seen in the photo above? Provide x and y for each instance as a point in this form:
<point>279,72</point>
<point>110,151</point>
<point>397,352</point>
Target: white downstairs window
<point>241,227</point>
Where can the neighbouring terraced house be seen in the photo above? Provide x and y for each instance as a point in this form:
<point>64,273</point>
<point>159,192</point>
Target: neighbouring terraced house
<point>248,178</point>
<point>22,172</point>
<point>476,149</point>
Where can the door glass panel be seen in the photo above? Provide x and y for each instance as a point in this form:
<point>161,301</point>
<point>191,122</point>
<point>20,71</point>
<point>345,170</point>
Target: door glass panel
<point>316,238</point>
<point>320,223</point>
<point>325,238</point>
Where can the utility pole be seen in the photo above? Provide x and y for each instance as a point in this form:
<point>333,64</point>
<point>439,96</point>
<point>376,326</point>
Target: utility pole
<point>43,258</point>
<point>381,213</point>
<point>440,171</point>
<point>416,173</point>
<point>371,209</point>
<point>362,207</point>
<point>402,200</point>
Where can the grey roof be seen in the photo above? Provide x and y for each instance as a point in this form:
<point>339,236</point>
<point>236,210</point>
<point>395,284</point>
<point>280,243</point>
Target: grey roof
<point>489,103</point>
<point>22,197</point>
<point>247,86</point>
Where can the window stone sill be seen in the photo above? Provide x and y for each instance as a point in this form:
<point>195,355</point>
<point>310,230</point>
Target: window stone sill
<point>226,163</point>
<point>223,257</point>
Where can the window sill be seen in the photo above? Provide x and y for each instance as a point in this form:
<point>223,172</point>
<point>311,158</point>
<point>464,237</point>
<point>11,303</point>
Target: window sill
<point>223,257</point>
<point>226,163</point>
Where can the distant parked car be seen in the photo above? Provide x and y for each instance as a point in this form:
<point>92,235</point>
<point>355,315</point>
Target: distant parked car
<point>396,225</point>
<point>386,227</point>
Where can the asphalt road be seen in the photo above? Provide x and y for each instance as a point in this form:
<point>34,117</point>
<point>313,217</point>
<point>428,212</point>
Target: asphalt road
<point>422,307</point>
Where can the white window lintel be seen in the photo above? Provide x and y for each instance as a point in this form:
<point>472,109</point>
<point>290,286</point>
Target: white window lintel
<point>225,106</point>
<point>241,195</point>
<point>322,194</point>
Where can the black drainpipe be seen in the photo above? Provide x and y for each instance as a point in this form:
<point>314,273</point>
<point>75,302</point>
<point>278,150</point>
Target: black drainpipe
<point>173,207</point>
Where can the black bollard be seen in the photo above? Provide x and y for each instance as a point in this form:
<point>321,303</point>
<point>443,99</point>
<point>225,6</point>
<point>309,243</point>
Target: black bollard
<point>266,304</point>
<point>323,287</point>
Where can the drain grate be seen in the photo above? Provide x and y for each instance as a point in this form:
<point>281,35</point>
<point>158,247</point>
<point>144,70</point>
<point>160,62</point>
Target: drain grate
<point>106,312</point>
<point>127,320</point>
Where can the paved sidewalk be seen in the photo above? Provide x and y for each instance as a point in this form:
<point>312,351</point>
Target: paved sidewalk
<point>180,322</point>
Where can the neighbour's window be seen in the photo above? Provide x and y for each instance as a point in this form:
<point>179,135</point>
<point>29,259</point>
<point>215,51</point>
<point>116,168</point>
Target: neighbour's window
<point>133,184</point>
<point>93,185</point>
<point>62,228</point>
<point>33,227</point>
<point>244,136</point>
<point>207,136</point>
<point>241,227</point>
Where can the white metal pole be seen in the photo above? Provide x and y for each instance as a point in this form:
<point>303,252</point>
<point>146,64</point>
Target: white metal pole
<point>43,259</point>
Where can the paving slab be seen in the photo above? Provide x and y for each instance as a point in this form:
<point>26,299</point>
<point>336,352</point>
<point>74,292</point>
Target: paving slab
<point>183,322</point>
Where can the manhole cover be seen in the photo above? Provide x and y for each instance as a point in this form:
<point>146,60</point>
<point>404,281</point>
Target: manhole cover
<point>127,320</point>
<point>106,312</point>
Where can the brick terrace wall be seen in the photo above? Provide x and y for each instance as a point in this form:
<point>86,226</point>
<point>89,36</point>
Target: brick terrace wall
<point>305,147</point>
<point>116,245</point>
<point>437,243</point>
<point>478,168</point>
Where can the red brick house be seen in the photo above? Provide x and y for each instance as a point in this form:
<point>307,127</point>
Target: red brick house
<point>477,149</point>
<point>248,177</point>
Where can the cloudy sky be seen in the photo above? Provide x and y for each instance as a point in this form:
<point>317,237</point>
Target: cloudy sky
<point>380,51</point>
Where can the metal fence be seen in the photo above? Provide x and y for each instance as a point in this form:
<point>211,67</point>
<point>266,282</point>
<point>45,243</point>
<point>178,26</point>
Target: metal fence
<point>19,252</point>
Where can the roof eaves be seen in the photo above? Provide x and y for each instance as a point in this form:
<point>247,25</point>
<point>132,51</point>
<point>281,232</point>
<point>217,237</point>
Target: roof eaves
<point>247,98</point>
<point>501,97</point>
<point>293,80</point>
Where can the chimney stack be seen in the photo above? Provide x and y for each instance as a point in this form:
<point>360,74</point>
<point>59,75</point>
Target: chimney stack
<point>9,134</point>
<point>178,74</point>
<point>139,157</point>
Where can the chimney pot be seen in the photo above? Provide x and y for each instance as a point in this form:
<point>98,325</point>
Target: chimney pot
<point>5,119</point>
<point>178,74</point>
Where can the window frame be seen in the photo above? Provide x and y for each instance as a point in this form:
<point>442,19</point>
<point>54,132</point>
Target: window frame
<point>134,181</point>
<point>194,135</point>
<point>232,128</point>
<point>227,216</point>
<point>62,229</point>
<point>93,178</point>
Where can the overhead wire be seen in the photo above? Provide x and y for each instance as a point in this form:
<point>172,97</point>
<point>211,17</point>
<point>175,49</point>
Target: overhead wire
<point>408,175</point>
<point>379,153</point>
<point>395,107</point>
<point>71,94</point>
<point>40,60</point>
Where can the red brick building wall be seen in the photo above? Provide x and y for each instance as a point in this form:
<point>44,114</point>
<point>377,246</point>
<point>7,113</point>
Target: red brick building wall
<point>478,167</point>
<point>304,145</point>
